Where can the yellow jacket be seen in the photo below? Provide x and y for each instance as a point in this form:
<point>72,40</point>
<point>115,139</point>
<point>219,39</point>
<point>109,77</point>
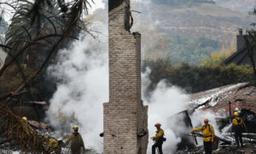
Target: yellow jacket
<point>159,135</point>
<point>208,132</point>
<point>53,143</point>
<point>76,143</point>
<point>237,121</point>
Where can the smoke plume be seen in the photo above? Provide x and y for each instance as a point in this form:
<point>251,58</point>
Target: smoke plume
<point>165,101</point>
<point>82,75</point>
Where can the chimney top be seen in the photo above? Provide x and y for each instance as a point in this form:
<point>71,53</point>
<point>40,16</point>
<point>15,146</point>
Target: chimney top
<point>240,30</point>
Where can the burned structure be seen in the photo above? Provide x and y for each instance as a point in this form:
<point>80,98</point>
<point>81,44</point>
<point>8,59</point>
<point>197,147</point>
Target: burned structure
<point>125,116</point>
<point>245,50</point>
<point>229,99</point>
<point>223,101</point>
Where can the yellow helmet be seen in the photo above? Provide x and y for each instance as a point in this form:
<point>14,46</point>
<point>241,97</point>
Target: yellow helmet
<point>75,127</point>
<point>53,143</point>
<point>236,114</point>
<point>24,118</point>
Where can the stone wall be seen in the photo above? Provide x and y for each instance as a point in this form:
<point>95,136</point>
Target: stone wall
<point>125,117</point>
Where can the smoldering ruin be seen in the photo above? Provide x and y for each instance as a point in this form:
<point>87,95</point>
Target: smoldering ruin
<point>222,102</point>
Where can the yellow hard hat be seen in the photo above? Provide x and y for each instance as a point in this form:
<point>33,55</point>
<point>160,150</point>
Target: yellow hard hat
<point>24,118</point>
<point>236,114</point>
<point>53,143</point>
<point>75,127</point>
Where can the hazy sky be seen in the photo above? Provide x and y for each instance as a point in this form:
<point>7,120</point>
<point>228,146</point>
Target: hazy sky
<point>239,5</point>
<point>97,4</point>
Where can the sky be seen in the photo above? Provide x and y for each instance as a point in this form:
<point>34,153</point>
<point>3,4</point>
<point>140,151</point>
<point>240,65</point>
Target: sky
<point>97,5</point>
<point>238,5</point>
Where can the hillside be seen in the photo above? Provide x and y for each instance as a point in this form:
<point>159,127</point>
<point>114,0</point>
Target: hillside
<point>187,33</point>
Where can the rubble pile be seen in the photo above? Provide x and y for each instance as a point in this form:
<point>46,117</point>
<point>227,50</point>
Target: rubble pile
<point>223,101</point>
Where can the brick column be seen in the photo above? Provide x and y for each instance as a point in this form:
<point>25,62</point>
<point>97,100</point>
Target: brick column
<point>124,116</point>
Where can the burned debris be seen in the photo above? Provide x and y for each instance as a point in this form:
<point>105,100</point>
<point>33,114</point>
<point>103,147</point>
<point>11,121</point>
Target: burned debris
<point>225,102</point>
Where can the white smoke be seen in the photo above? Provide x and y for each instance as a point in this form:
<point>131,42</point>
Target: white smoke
<point>99,4</point>
<point>165,101</point>
<point>83,88</point>
<point>82,73</point>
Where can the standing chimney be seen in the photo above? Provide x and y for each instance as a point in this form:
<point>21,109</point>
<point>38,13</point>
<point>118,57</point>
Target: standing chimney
<point>125,116</point>
<point>241,44</point>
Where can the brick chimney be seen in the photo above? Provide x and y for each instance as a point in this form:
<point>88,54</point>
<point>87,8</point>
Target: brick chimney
<point>241,44</point>
<point>125,116</point>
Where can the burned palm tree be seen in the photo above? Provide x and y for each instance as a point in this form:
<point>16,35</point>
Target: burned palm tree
<point>37,31</point>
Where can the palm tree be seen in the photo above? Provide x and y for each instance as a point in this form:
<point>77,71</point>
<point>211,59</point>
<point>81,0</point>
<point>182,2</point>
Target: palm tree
<point>37,31</point>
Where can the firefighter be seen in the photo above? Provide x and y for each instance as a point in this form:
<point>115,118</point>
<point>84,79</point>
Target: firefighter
<point>24,119</point>
<point>76,141</point>
<point>238,126</point>
<point>208,135</point>
<point>26,126</point>
<point>53,145</point>
<point>158,139</point>
<point>45,139</point>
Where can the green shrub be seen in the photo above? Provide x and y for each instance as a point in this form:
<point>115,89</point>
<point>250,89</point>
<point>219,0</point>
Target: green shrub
<point>198,78</point>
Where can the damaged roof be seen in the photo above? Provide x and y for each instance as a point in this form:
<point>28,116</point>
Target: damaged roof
<point>241,95</point>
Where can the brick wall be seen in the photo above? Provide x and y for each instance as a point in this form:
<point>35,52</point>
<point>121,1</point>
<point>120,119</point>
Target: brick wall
<point>124,115</point>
